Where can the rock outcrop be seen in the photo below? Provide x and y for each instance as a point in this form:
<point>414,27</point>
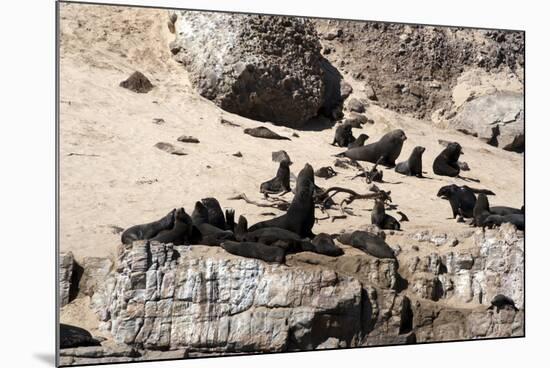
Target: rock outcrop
<point>66,265</point>
<point>262,67</point>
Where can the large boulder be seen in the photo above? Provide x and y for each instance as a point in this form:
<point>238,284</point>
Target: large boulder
<point>265,68</point>
<point>66,266</point>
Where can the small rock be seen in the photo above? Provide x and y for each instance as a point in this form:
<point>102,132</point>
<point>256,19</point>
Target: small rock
<point>167,147</point>
<point>158,121</point>
<point>138,83</point>
<point>238,154</point>
<point>229,123</point>
<point>330,343</point>
<point>356,120</point>
<point>435,85</point>
<point>325,172</point>
<point>415,248</point>
<point>396,249</point>
<point>279,156</point>
<point>345,89</point>
<point>453,242</point>
<point>463,166</point>
<point>356,105</point>
<point>295,135</point>
<point>188,139</point>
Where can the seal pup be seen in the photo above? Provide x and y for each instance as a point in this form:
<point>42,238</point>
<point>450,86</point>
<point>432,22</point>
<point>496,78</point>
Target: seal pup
<point>381,219</point>
<point>280,183</point>
<point>215,213</point>
<point>481,210</point>
<point>502,301</point>
<point>343,135</point>
<point>413,166</point>
<point>210,234</point>
<point>263,132</point>
<point>182,232</point>
<point>300,215</point>
<point>359,142</point>
<point>446,163</point>
<point>323,244</point>
<point>368,243</point>
<point>72,337</point>
<point>260,251</point>
<point>325,172</point>
<point>385,151</point>
<point>518,220</point>
<point>149,230</point>
<point>462,199</point>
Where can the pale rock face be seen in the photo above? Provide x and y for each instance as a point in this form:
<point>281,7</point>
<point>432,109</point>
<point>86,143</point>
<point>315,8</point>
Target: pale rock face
<point>66,265</point>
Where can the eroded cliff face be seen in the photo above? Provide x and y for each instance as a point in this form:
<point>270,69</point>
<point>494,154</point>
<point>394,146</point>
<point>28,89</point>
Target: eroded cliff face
<point>202,300</point>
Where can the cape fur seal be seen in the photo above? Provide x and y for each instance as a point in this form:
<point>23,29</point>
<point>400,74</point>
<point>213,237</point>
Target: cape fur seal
<point>263,132</point>
<point>260,251</point>
<point>481,210</point>
<point>215,212</point>
<point>381,219</point>
<point>149,230</point>
<point>413,166</point>
<point>300,215</point>
<point>183,231</point>
<point>385,151</point>
<point>446,163</point>
<point>462,199</point>
<point>502,301</point>
<point>210,234</point>
<point>343,135</point>
<point>518,220</point>
<point>323,244</point>
<point>359,142</point>
<point>368,243</point>
<point>280,183</point>
<point>72,337</point>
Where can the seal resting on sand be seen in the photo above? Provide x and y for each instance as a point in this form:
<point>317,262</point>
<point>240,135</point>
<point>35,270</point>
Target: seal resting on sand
<point>462,199</point>
<point>413,166</point>
<point>263,132</point>
<point>72,337</point>
<point>343,135</point>
<point>385,151</point>
<point>280,183</point>
<point>383,220</point>
<point>446,163</point>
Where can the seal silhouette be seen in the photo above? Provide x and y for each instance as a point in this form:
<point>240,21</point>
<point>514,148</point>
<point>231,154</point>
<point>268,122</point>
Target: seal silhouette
<point>343,135</point>
<point>518,220</point>
<point>368,243</point>
<point>210,234</point>
<point>182,233</point>
<point>149,230</point>
<point>215,212</point>
<point>280,183</point>
<point>359,142</point>
<point>263,132</point>
<point>413,166</point>
<point>300,215</point>
<point>266,253</point>
<point>72,337</point>
<point>446,163</point>
<point>462,199</point>
<point>381,219</point>
<point>385,151</point>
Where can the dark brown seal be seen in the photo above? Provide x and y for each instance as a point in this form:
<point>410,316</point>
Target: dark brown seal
<point>280,183</point>
<point>343,135</point>
<point>266,253</point>
<point>413,166</point>
<point>385,151</point>
<point>359,142</point>
<point>183,232</point>
<point>149,230</point>
<point>263,132</point>
<point>383,220</point>
<point>446,163</point>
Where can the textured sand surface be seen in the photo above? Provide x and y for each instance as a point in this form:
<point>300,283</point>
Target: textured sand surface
<point>112,175</point>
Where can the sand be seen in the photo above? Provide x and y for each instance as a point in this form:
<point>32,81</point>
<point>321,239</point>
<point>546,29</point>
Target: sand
<point>111,175</point>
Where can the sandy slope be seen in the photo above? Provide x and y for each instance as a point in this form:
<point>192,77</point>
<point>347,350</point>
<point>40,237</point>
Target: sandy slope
<point>119,179</point>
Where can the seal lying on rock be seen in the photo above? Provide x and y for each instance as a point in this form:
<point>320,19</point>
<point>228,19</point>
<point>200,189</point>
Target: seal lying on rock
<point>210,234</point>
<point>266,253</point>
<point>183,231</point>
<point>481,210</point>
<point>462,199</point>
<point>368,243</point>
<point>413,166</point>
<point>150,230</point>
<point>323,244</point>
<point>518,220</point>
<point>280,183</point>
<point>381,219</point>
<point>300,216</point>
<point>385,151</point>
<point>263,132</point>
<point>446,163</point>
<point>343,136</point>
<point>72,337</point>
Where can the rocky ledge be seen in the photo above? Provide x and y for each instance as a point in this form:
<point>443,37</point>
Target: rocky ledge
<point>164,301</point>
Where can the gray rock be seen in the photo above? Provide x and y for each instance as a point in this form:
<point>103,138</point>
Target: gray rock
<point>345,89</point>
<point>356,106</point>
<point>369,92</point>
<point>502,110</point>
<point>279,156</point>
<point>66,265</point>
<point>96,270</point>
<point>266,68</point>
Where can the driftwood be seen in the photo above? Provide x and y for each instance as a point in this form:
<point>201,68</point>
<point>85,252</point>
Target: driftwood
<point>277,203</point>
